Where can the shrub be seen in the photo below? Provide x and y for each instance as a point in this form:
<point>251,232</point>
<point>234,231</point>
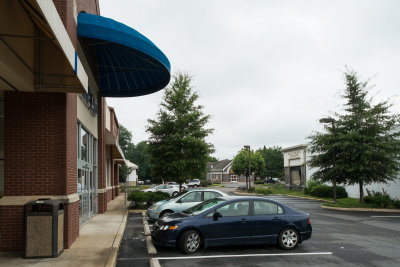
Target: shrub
<point>311,184</point>
<point>259,182</point>
<point>157,196</point>
<point>379,199</point>
<point>203,183</point>
<point>262,190</point>
<point>140,199</point>
<point>396,203</point>
<point>326,191</point>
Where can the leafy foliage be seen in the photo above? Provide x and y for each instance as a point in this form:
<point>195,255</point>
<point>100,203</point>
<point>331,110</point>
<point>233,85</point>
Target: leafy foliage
<point>240,163</point>
<point>365,142</point>
<point>177,144</point>
<point>125,143</point>
<point>140,156</point>
<point>273,158</point>
<point>140,199</point>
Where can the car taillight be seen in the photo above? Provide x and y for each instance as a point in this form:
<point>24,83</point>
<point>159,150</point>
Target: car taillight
<point>309,220</point>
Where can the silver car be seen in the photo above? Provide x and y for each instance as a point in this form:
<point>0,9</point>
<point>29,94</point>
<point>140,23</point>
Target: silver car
<point>171,189</point>
<point>182,202</point>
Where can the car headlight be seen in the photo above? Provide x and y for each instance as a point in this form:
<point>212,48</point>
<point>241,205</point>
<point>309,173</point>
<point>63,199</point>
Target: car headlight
<point>154,207</point>
<point>168,227</point>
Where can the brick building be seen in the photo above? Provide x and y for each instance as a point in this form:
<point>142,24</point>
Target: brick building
<point>59,60</point>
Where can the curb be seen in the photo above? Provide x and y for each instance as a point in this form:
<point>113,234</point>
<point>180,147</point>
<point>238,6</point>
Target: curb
<point>154,262</point>
<point>151,249</point>
<point>254,194</point>
<point>360,209</point>
<point>323,200</point>
<point>112,256</point>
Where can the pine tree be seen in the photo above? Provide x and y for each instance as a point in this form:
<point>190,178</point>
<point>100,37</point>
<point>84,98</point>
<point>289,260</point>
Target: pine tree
<point>369,137</point>
<point>364,147</point>
<point>177,145</point>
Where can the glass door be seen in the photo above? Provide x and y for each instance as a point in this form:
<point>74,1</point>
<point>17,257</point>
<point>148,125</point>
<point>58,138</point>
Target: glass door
<point>87,175</point>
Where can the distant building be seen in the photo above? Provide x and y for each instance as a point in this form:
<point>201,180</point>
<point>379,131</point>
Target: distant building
<point>295,166</point>
<point>221,172</point>
<point>132,177</point>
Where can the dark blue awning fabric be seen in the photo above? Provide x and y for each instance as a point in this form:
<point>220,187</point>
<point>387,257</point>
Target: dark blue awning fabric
<point>124,62</point>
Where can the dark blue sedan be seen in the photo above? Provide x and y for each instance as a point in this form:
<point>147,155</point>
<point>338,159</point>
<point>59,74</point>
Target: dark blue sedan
<point>233,220</point>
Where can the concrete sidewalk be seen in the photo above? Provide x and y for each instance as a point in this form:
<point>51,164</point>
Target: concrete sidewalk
<point>97,244</point>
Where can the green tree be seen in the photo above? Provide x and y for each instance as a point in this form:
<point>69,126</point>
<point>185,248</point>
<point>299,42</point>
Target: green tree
<point>177,144</point>
<point>273,158</point>
<point>212,159</point>
<point>141,157</point>
<point>126,145</point>
<point>240,163</point>
<point>365,141</point>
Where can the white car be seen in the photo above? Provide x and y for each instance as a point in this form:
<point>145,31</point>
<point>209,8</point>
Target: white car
<point>194,183</point>
<point>172,190</point>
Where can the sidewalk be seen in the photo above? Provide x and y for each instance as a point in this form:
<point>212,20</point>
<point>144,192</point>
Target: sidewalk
<point>97,244</point>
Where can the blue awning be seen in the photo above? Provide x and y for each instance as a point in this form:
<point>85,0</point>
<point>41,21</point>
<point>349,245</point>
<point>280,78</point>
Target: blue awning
<point>123,61</point>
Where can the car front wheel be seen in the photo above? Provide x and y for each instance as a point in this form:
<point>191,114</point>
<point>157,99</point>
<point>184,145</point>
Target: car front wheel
<point>190,241</point>
<point>174,194</point>
<point>288,239</point>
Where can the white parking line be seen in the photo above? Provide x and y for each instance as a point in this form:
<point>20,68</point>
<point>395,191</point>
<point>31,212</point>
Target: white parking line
<point>385,216</point>
<point>245,255</point>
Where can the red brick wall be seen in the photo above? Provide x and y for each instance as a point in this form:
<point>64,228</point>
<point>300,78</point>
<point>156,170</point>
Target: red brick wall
<point>11,228</point>
<point>71,224</point>
<point>102,154</point>
<point>101,202</point>
<point>34,144</point>
<point>71,143</point>
<point>65,10</point>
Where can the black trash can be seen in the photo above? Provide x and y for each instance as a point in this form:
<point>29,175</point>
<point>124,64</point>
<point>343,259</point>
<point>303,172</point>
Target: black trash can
<point>44,228</point>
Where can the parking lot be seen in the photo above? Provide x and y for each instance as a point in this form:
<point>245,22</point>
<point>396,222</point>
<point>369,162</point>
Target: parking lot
<point>339,238</point>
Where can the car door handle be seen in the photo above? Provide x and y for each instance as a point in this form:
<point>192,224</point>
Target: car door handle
<point>276,218</point>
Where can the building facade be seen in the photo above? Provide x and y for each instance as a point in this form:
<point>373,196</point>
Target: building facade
<point>295,167</point>
<point>58,137</point>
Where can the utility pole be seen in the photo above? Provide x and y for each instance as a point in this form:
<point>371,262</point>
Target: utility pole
<point>248,176</point>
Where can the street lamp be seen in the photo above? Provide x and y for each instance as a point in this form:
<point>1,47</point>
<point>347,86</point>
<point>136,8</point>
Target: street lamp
<point>248,179</point>
<point>332,121</point>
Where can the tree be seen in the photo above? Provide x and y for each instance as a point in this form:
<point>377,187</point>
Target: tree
<point>273,158</point>
<point>141,157</point>
<point>240,163</point>
<point>365,142</point>
<point>177,144</point>
<point>126,145</point>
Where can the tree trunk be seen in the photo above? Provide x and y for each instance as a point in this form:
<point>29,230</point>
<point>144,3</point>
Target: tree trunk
<point>361,193</point>
<point>334,190</point>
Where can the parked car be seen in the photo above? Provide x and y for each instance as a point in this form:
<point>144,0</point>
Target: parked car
<point>270,181</point>
<point>172,190</point>
<point>140,182</point>
<point>183,202</point>
<point>194,183</point>
<point>233,221</point>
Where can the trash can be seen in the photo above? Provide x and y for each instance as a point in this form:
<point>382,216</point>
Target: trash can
<point>44,228</point>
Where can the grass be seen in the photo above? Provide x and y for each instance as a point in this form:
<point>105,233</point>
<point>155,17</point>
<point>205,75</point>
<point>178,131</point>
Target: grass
<point>349,203</point>
<point>216,185</point>
<point>341,202</point>
<point>133,187</point>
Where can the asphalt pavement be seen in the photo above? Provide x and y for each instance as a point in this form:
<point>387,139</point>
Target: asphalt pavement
<point>340,238</point>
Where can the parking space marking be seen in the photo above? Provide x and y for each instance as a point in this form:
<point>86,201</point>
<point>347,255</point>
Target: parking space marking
<point>246,255</point>
<point>389,216</point>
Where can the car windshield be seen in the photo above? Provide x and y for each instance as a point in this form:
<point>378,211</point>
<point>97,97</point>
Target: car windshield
<point>199,208</point>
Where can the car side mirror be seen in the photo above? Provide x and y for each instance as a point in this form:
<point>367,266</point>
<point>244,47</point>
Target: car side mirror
<point>179,200</point>
<point>216,215</point>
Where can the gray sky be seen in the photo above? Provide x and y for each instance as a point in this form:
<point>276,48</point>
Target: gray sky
<point>266,71</point>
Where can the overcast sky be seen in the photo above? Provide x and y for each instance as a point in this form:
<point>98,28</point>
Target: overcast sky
<point>266,71</point>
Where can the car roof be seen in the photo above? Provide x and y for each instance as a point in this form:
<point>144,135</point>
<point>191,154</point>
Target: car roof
<point>233,198</point>
<point>206,189</point>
